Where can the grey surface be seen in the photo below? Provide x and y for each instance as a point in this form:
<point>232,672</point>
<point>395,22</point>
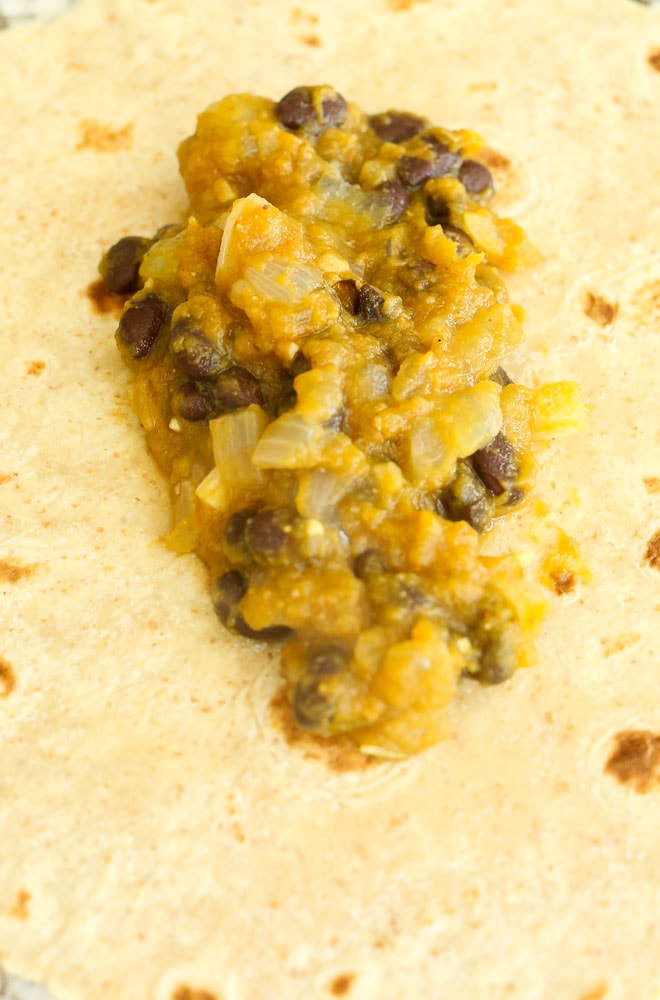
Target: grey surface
<point>15,988</point>
<point>20,11</point>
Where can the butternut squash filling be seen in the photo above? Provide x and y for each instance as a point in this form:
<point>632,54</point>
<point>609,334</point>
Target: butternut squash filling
<point>318,359</point>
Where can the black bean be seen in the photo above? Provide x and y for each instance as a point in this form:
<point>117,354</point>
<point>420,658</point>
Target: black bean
<point>235,529</point>
<point>414,171</point>
<point>396,126</point>
<point>478,514</point>
<point>397,592</point>
<point>266,533</point>
<point>501,377</point>
<point>419,274</point>
<point>369,563</point>
<point>295,108</point>
<point>465,498</point>
<point>226,593</point>
<point>327,660</point>
<point>395,198</point>
<point>437,210</point>
<point>286,401</point>
<point>236,387</point>
<point>516,496</point>
<point>496,663</point>
<point>474,177</point>
<point>495,635</point>
<point>311,707</point>
<point>370,303</point>
<point>347,291</point>
<point>334,110</point>
<point>299,365</point>
<point>272,633</point>
<point>140,325</point>
<point>120,268</point>
<point>195,355</point>
<point>195,401</point>
<point>445,162</point>
<point>496,464</point>
<point>437,145</point>
<point>464,245</point>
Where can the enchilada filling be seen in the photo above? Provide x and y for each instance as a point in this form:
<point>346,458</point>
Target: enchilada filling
<point>319,357</point>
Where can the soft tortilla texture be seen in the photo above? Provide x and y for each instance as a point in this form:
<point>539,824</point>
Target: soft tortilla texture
<point>157,830</point>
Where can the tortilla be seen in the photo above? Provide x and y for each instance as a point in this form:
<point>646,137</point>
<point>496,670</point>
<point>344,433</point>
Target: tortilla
<point>161,837</point>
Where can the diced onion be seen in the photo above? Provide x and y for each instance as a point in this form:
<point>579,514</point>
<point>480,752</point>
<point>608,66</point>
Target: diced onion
<point>234,437</point>
<point>284,444</point>
<point>211,491</point>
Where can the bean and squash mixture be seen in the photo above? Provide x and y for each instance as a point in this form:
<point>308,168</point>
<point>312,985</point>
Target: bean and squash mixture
<point>318,357</point>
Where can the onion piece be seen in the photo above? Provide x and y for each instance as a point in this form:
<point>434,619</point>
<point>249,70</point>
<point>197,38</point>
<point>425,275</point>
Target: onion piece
<point>234,437</point>
<point>285,444</point>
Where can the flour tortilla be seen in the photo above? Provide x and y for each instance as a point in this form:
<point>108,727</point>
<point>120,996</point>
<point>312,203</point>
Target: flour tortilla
<point>160,836</point>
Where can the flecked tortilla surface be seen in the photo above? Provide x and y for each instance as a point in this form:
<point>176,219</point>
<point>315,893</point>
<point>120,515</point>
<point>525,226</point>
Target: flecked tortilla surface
<point>160,837</point>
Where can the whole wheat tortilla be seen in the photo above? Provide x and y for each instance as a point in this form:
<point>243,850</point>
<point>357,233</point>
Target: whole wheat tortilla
<point>160,836</point>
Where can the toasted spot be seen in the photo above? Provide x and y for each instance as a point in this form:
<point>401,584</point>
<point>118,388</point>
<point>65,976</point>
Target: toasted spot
<point>652,553</point>
<point>102,138</point>
<point>191,993</point>
<point>398,5</point>
<point>635,760</point>
<point>617,643</point>
<point>13,572</point>
<point>20,909</point>
<point>597,993</point>
<point>5,478</point>
<point>297,14</point>
<point>599,309</point>
<point>494,160</point>
<point>341,985</point>
<point>653,59</point>
<point>312,40</point>
<point>103,300</point>
<point>652,484</point>
<point>337,754</point>
<point>563,581</point>
<point>7,678</point>
<point>35,367</point>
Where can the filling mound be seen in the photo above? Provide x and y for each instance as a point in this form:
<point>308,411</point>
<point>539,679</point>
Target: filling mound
<point>318,357</point>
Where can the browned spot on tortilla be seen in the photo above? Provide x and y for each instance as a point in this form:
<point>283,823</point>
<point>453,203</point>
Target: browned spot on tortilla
<point>5,478</point>
<point>341,985</point>
<point>20,909</point>
<point>191,993</point>
<point>302,15</point>
<point>12,571</point>
<point>597,993</point>
<point>599,309</point>
<point>35,367</point>
<point>653,59</point>
<point>652,484</point>
<point>635,760</point>
<point>617,643</point>
<point>312,40</point>
<point>103,300</point>
<point>102,138</point>
<point>563,581</point>
<point>652,554</point>
<point>7,678</point>
<point>494,160</point>
<point>337,753</point>
<point>397,5</point>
